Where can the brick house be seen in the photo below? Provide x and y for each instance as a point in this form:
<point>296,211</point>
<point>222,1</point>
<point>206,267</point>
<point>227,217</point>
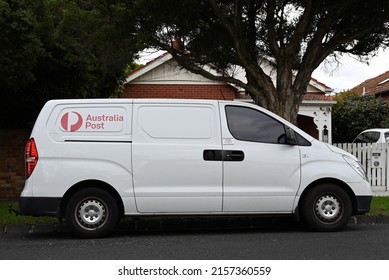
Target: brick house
<point>164,78</point>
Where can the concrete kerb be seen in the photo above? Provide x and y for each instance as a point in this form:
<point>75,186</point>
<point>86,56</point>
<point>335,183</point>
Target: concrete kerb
<point>30,229</point>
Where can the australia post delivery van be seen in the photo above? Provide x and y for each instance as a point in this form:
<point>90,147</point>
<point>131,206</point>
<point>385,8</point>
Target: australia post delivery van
<point>95,161</point>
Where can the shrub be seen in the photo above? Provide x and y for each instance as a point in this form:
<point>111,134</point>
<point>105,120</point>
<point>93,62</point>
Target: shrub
<point>354,113</point>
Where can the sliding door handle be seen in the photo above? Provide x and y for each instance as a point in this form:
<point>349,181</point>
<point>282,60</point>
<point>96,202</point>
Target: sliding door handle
<point>223,155</point>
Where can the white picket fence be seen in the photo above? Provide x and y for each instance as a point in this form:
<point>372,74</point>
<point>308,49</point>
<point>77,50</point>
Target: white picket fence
<point>374,158</point>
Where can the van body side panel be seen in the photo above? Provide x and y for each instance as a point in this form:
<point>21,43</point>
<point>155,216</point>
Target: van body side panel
<point>84,161</point>
<point>170,173</point>
<point>81,141</point>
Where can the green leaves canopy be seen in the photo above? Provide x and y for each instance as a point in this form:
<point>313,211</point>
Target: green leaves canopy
<point>60,49</point>
<point>20,44</point>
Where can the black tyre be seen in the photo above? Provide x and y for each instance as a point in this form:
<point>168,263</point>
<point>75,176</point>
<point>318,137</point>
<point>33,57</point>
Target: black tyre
<point>92,213</point>
<point>326,207</point>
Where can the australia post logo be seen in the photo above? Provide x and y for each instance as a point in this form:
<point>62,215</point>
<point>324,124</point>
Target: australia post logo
<point>71,121</point>
<point>92,120</point>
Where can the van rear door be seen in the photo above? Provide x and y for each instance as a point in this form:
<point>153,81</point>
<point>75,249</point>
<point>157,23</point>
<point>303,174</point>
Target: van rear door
<point>169,171</point>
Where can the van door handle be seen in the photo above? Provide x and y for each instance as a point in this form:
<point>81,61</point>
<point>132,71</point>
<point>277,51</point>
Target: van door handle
<point>223,155</point>
<point>213,155</point>
<point>233,155</point>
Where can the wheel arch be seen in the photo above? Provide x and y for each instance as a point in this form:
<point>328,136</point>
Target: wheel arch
<point>334,181</point>
<point>87,184</point>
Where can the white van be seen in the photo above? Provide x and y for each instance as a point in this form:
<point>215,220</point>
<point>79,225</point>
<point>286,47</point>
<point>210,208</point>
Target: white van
<point>94,161</point>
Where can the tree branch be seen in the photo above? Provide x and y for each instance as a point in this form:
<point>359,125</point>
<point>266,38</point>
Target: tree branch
<point>274,47</point>
<point>302,29</point>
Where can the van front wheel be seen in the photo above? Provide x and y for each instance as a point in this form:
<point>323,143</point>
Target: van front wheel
<point>92,213</point>
<point>326,207</point>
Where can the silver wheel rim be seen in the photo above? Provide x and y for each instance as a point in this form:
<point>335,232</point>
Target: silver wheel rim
<point>328,208</point>
<point>91,213</point>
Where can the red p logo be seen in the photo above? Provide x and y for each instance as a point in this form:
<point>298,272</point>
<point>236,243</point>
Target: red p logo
<point>71,121</point>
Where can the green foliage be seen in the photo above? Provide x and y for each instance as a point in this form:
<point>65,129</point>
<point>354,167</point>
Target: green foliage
<point>353,114</point>
<point>61,49</point>
<point>20,44</point>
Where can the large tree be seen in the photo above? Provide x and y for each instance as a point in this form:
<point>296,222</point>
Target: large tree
<point>295,36</point>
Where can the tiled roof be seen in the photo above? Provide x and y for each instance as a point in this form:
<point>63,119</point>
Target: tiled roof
<point>374,85</point>
<point>310,96</point>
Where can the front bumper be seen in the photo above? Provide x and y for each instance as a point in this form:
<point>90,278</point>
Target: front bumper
<point>39,206</point>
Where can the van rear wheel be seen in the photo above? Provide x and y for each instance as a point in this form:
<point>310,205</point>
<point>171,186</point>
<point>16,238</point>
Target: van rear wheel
<point>326,207</point>
<point>92,213</point>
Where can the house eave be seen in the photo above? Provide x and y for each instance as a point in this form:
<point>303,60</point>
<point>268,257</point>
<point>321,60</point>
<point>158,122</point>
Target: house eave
<point>318,102</point>
<point>149,66</point>
<point>176,82</point>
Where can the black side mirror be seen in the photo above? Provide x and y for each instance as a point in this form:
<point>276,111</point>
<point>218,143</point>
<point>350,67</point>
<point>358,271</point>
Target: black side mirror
<point>290,136</point>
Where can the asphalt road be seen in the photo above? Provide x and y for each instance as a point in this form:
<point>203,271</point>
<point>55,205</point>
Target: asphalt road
<point>282,241</point>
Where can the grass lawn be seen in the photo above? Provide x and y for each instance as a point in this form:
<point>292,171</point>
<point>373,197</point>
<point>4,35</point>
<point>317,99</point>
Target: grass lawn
<point>379,206</point>
<point>7,218</point>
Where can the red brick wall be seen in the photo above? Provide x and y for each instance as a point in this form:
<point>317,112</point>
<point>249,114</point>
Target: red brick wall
<point>218,92</point>
<point>12,145</point>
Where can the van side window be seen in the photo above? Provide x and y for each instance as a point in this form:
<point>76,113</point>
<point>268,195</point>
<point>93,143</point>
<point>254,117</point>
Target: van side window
<point>248,124</point>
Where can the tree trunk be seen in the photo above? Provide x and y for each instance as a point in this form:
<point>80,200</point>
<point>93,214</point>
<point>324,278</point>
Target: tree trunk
<point>282,99</point>
<point>286,106</point>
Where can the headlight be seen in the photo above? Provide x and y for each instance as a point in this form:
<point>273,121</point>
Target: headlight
<point>356,165</point>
